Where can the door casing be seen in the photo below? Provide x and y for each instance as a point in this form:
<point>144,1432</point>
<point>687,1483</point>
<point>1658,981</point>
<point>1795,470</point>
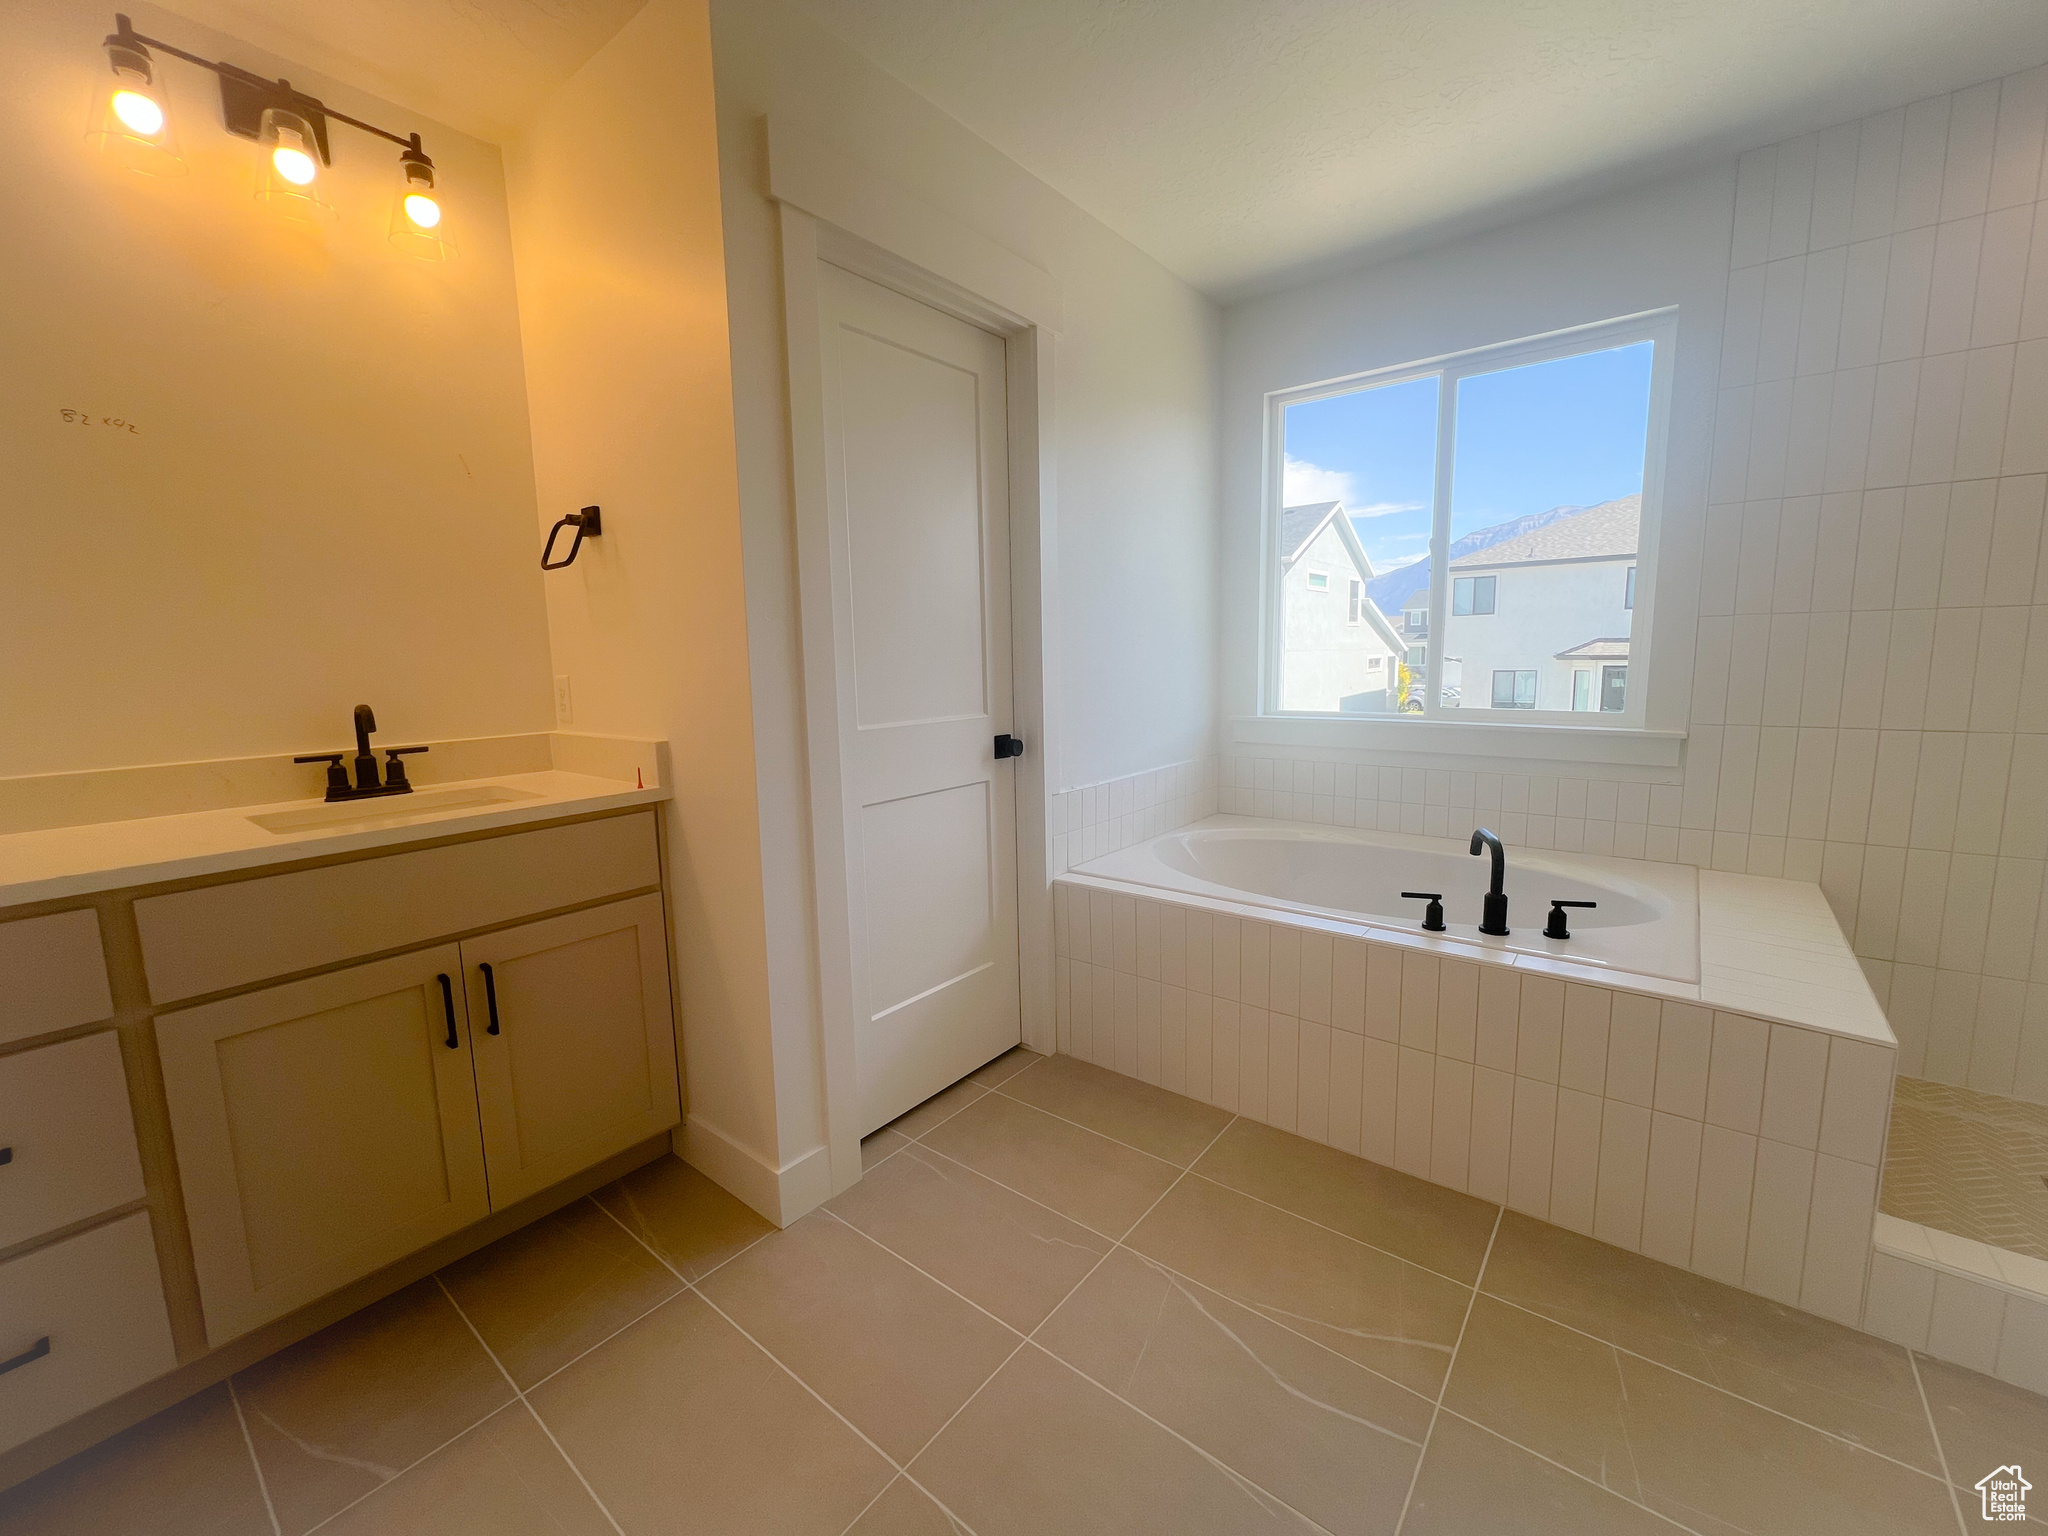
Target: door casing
<point>822,201</point>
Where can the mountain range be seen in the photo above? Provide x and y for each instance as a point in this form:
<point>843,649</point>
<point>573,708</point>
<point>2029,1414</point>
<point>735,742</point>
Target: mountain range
<point>1391,591</point>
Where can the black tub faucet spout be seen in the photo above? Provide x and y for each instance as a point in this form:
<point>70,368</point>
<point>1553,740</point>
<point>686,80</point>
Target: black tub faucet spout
<point>1495,920</point>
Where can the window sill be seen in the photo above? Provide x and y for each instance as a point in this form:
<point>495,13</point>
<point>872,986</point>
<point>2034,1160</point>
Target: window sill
<point>1458,738</point>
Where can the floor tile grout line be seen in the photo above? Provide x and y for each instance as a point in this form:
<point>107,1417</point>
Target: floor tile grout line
<point>1941,1451</point>
<point>662,1258</point>
<point>534,1413</point>
<point>935,1280</point>
<point>1020,1194</point>
<point>1444,1386</point>
<point>421,1460</point>
<point>249,1440</point>
<point>1569,1471</point>
<point>1207,1455</point>
<point>1714,1386</point>
<point>1031,1337</point>
<point>1091,1130</point>
<point>1471,1284</point>
<point>1285,1327</point>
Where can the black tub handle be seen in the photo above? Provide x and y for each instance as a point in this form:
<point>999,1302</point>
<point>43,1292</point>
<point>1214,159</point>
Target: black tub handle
<point>490,997</point>
<point>589,524</point>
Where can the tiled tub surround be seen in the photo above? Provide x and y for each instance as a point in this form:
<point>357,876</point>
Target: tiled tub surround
<point>1102,818</point>
<point>1671,1121</point>
<point>1973,1164</point>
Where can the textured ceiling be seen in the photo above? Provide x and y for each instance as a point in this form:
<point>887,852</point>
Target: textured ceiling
<point>1244,142</point>
<point>483,66</point>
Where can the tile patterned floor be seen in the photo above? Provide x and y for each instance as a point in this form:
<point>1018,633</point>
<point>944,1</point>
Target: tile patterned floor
<point>1968,1163</point>
<point>1060,1301</point>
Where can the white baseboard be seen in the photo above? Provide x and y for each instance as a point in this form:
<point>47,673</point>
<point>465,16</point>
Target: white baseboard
<point>781,1194</point>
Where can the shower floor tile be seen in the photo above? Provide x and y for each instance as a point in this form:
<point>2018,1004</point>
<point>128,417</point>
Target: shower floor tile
<point>1063,1302</point>
<point>1969,1163</point>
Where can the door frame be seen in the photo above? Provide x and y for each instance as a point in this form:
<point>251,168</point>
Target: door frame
<point>835,211</point>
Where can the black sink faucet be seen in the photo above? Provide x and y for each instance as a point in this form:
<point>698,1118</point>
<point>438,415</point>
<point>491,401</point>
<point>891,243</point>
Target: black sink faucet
<point>392,781</point>
<point>1495,921</point>
<point>367,778</point>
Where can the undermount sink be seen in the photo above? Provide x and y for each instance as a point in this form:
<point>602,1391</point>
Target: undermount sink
<point>395,810</point>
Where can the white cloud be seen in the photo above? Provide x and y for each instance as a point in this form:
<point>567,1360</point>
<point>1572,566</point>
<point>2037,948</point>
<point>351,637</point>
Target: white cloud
<point>1302,482</point>
<point>1383,508</point>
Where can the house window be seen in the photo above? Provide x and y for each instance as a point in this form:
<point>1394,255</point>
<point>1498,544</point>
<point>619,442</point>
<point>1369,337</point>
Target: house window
<point>1613,689</point>
<point>1472,594</point>
<point>1358,602</point>
<point>1319,581</point>
<point>1514,690</point>
<point>1373,664</point>
<point>1551,451</point>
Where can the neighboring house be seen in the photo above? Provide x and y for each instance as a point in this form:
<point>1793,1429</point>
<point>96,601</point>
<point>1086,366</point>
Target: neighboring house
<point>1542,621</point>
<point>1338,652</point>
<point>1415,637</point>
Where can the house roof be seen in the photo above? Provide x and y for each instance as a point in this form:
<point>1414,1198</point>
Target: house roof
<point>1299,528</point>
<point>1609,649</point>
<point>1606,532</point>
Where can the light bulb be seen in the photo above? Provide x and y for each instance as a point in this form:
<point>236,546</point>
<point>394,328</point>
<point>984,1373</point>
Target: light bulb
<point>416,214</point>
<point>139,113</point>
<point>293,163</point>
<point>422,210</point>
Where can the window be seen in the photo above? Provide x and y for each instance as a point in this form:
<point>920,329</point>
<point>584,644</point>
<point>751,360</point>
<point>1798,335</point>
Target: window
<point>1514,690</point>
<point>1372,664</point>
<point>1319,581</point>
<point>1520,561</point>
<point>1613,689</point>
<point>1472,594</point>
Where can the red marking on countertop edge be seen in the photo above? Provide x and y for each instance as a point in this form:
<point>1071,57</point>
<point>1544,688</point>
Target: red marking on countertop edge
<point>638,782</point>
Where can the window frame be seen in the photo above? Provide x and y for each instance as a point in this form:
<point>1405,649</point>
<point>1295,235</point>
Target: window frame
<point>1472,610</point>
<point>1660,328</point>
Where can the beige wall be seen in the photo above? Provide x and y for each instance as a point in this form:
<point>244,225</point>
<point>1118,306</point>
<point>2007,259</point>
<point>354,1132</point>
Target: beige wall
<point>1132,671</point>
<point>329,497</point>
<point>615,192</point>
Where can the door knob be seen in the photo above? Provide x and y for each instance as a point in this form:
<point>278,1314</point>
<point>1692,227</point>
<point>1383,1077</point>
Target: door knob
<point>1009,746</point>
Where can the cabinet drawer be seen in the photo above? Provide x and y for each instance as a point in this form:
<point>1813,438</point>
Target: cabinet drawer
<point>68,1137</point>
<point>85,1321</point>
<point>52,974</point>
<point>194,942</point>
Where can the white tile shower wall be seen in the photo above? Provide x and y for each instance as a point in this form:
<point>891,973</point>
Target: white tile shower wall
<point>1736,1147</point>
<point>1101,818</point>
<point>1870,688</point>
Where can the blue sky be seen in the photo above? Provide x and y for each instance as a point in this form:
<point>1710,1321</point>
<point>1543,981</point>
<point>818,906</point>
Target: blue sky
<point>1568,432</point>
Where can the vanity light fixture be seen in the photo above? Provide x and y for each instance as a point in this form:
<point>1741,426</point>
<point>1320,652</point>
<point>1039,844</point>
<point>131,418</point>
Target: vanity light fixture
<point>132,120</point>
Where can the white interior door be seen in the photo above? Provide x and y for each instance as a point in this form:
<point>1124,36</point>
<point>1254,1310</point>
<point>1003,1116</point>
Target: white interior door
<point>917,485</point>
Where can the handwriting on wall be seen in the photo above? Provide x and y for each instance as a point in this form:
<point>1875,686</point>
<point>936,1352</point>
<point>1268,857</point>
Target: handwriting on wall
<point>87,419</point>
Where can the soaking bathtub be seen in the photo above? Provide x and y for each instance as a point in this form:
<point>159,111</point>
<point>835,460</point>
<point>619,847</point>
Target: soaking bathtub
<point>1646,921</point>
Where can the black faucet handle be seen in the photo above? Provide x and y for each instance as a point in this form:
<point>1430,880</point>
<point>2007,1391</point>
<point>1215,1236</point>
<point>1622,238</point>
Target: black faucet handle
<point>394,770</point>
<point>337,776</point>
<point>1433,914</point>
<point>1555,928</point>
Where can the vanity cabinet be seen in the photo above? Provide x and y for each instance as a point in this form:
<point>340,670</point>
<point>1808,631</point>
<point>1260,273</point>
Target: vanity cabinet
<point>324,1128</point>
<point>575,1057</point>
<point>328,1126</point>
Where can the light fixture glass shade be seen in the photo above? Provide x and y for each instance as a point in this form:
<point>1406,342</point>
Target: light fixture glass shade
<point>131,119</point>
<point>418,219</point>
<point>289,176</point>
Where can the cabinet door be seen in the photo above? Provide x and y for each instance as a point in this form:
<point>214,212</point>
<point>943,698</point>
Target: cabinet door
<point>324,1129</point>
<point>575,1047</point>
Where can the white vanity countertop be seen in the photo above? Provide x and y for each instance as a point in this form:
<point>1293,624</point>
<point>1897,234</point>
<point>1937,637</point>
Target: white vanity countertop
<point>108,855</point>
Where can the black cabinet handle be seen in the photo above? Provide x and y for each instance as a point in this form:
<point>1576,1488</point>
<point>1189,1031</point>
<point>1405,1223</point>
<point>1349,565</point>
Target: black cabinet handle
<point>448,1007</point>
<point>6,1155</point>
<point>28,1356</point>
<point>491,997</point>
